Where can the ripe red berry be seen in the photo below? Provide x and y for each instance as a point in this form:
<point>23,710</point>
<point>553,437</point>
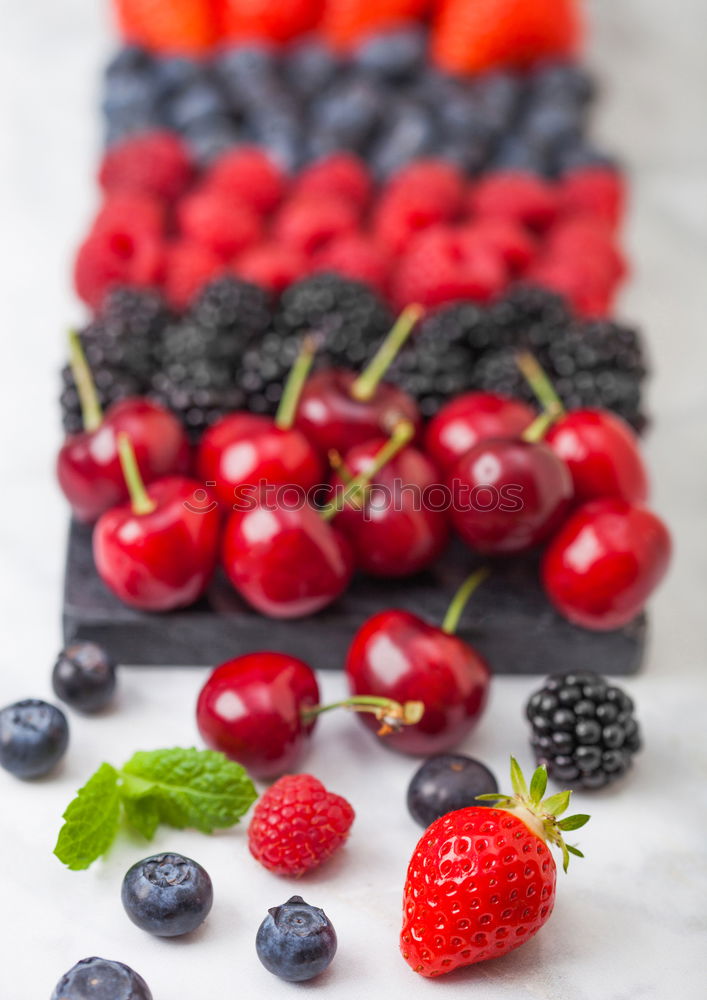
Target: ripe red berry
<point>297,825</point>
<point>155,163</point>
<point>174,26</point>
<point>355,256</point>
<point>308,223</point>
<point>117,256</point>
<point>598,192</point>
<point>520,197</point>
<point>220,222</point>
<point>473,417</point>
<point>604,563</point>
<point>271,265</point>
<point>512,241</point>
<point>342,175</point>
<point>142,212</point>
<point>246,20</point>
<point>248,174</point>
<point>188,267</point>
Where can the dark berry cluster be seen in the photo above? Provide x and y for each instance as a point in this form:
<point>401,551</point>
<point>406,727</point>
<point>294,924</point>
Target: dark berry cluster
<point>584,729</point>
<point>383,101</point>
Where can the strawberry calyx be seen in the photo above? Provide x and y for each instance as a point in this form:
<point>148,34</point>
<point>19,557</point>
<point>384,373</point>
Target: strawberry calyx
<point>540,814</point>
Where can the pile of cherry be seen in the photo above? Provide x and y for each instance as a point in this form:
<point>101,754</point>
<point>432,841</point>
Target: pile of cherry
<point>428,235</point>
<point>347,479</point>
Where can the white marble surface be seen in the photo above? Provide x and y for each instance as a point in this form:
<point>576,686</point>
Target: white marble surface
<point>630,920</point>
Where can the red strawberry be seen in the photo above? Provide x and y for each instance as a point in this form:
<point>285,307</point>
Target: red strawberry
<point>346,21</point>
<point>341,174</point>
<point>596,191</point>
<point>155,163</point>
<point>248,173</point>
<point>263,19</point>
<point>481,881</point>
<point>355,256</point>
<point>167,25</point>
<point>470,37</point>
<point>224,224</point>
<point>297,825</point>
<point>308,223</point>
<point>515,195</point>
<point>440,266</point>
<point>271,265</point>
<point>189,266</point>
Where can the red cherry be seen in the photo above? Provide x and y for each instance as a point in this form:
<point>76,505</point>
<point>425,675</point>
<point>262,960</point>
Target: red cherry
<point>602,453</point>
<point>286,563</point>
<point>246,450</point>
<point>251,709</point>
<point>509,496</point>
<point>339,409</point>
<point>158,552</point>
<point>88,467</point>
<point>396,531</point>
<point>474,417</point>
<point>605,562</point>
<point>398,655</point>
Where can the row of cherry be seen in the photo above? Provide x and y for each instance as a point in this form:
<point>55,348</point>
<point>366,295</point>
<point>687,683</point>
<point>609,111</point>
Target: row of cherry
<point>291,532</point>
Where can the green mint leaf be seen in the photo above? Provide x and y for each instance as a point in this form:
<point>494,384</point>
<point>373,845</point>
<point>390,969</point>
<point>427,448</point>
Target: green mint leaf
<point>91,820</point>
<point>196,788</point>
<point>143,814</point>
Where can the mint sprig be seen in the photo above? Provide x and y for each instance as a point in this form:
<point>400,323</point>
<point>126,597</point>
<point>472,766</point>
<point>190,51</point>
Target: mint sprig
<point>178,787</point>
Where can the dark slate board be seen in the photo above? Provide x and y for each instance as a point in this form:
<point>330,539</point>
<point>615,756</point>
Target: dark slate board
<point>508,620</point>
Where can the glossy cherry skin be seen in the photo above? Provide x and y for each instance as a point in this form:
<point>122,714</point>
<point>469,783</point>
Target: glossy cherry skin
<point>398,532</point>
<point>604,563</point>
<point>509,496</point>
<point>165,559</point>
<point>602,453</point>
<point>88,467</point>
<point>397,655</point>
<point>247,450</point>
<point>474,417</point>
<point>331,418</point>
<point>251,708</point>
<point>286,563</point>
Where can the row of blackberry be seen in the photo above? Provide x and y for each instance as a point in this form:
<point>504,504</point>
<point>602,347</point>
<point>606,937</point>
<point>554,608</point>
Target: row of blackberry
<point>232,350</point>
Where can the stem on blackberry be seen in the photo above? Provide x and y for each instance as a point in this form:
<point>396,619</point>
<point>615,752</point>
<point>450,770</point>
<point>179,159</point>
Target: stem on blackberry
<point>91,411</point>
<point>140,500</point>
<point>460,599</point>
<point>286,411</point>
<point>367,382</point>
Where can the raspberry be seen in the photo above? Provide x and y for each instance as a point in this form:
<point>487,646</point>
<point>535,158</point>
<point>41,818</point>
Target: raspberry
<point>167,25</point>
<point>355,256</point>
<point>511,241</point>
<point>589,242</point>
<point>155,163</point>
<point>514,195</point>
<point>473,37</point>
<point>271,266</point>
<point>189,266</point>
<point>341,174</point>
<point>589,295</point>
<point>263,19</point>
<point>309,223</point>
<point>440,266</point>
<point>297,824</point>
<point>141,212</point>
<point>346,21</point>
<point>111,257</point>
<point>433,177</point>
<point>594,191</point>
<point>250,175</point>
<point>408,205</point>
<point>225,225</point>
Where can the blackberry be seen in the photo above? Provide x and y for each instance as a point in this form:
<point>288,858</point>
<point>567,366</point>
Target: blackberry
<point>111,386</point>
<point>264,369</point>
<point>584,729</point>
<point>201,354</point>
<point>351,318</point>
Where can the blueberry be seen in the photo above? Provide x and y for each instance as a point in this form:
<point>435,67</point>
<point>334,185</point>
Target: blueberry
<point>549,125</point>
<point>245,70</point>
<point>447,782</point>
<point>127,93</point>
<point>310,67</point>
<point>199,100</point>
<point>167,895</point>
<point>350,109</point>
<point>33,738</point>
<point>515,153</point>
<point>128,59</point>
<point>101,979</point>
<point>578,155</point>
<point>296,941</point>
<point>498,97</point>
<point>408,134</point>
<point>84,677</point>
<point>210,137</point>
<point>568,81</point>
<point>174,73</point>
<point>393,55</point>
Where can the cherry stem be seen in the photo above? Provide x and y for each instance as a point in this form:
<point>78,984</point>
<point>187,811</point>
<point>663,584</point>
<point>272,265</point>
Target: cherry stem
<point>403,433</point>
<point>391,714</point>
<point>286,411</point>
<point>140,500</point>
<point>368,381</point>
<point>91,411</point>
<point>542,387</point>
<point>538,429</point>
<point>460,599</point>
